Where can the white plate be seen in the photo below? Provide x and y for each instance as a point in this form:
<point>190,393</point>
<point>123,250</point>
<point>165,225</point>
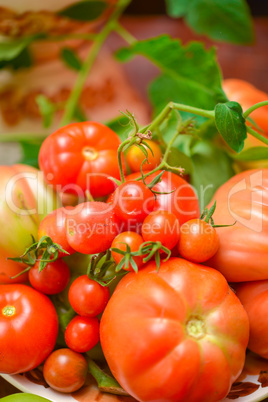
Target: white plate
<point>252,386</point>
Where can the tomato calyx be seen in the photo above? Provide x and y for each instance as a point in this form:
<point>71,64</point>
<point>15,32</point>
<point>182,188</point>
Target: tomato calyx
<point>9,311</point>
<point>195,327</point>
<point>207,217</point>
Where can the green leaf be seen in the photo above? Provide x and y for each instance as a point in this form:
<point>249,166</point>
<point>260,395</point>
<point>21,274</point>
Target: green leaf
<point>87,10</point>
<point>189,74</point>
<point>121,125</point>
<point>177,8</point>
<point>70,59</point>
<point>15,54</point>
<point>178,158</point>
<point>211,168</point>
<point>47,109</point>
<point>252,154</point>
<point>222,20</point>
<point>30,150</point>
<point>231,124</point>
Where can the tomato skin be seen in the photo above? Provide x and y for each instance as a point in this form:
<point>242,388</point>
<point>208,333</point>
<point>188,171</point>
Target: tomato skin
<point>91,227</point>
<point>65,370</point>
<point>190,327</point>
<point>26,200</point>
<point>245,244</point>
<point>82,333</point>
<point>52,279</point>
<point>81,154</point>
<point>254,297</point>
<point>182,202</point>
<point>161,226</point>
<point>135,157</point>
<point>134,241</point>
<point>87,297</point>
<point>29,335</point>
<point>199,241</point>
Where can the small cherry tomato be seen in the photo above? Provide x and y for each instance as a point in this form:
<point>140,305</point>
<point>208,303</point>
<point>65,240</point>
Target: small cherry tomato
<point>87,297</point>
<point>133,201</point>
<point>52,279</point>
<point>91,227</point>
<point>134,241</point>
<point>82,333</point>
<point>161,226</point>
<point>135,157</point>
<point>65,370</point>
<point>198,241</point>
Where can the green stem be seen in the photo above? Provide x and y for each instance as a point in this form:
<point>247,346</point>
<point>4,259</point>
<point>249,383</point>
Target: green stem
<point>254,107</point>
<point>125,34</point>
<point>87,65</point>
<point>257,135</point>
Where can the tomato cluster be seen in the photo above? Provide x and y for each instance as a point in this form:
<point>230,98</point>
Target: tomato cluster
<point>168,326</point>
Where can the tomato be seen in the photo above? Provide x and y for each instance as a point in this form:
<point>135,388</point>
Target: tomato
<point>133,201</point>
<point>182,200</point>
<point>179,334</point>
<point>91,227</point>
<point>29,328</point>
<point>247,95</point>
<point>254,297</point>
<point>87,297</point>
<point>82,333</point>
<point>161,226</point>
<point>134,241</point>
<point>53,225</point>
<point>243,251</point>
<point>199,240</point>
<point>65,370</point>
<point>52,279</point>
<point>81,156</point>
<point>135,157</point>
<point>25,200</point>
<point>24,397</point>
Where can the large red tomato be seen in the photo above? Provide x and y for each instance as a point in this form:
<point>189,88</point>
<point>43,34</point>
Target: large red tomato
<point>81,156</point>
<point>182,200</point>
<point>254,297</point>
<point>29,328</point>
<point>178,334</point>
<point>25,201</point>
<point>243,251</point>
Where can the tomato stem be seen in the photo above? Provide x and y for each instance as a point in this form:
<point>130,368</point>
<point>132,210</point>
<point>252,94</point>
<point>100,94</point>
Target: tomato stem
<point>255,134</point>
<point>254,107</point>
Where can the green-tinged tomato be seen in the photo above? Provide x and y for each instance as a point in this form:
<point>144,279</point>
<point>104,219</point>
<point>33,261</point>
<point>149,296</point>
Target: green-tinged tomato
<point>24,398</point>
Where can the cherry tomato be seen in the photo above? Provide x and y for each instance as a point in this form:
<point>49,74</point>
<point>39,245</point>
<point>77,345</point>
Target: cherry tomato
<point>29,328</point>
<point>87,297</point>
<point>135,157</point>
<point>176,334</point>
<point>181,199</point>
<point>91,227</point>
<point>81,156</point>
<point>65,370</point>
<point>133,201</point>
<point>161,226</point>
<point>243,251</point>
<point>53,225</point>
<point>52,279</point>
<point>199,240</point>
<point>82,333</point>
<point>134,241</point>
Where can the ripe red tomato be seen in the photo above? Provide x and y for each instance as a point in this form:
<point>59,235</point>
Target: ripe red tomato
<point>133,201</point>
<point>161,226</point>
<point>81,156</point>
<point>135,157</point>
<point>25,201</point>
<point>243,251</point>
<point>82,333</point>
<point>29,328</point>
<point>182,202</point>
<point>52,279</point>
<point>65,370</point>
<point>199,241</point>
<point>192,333</point>
<point>87,297</point>
<point>91,227</point>
<point>254,297</point>
<point>53,225</point>
<point>134,241</point>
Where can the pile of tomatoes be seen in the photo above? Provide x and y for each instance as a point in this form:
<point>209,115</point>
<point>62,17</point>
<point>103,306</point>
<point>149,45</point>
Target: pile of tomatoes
<point>169,325</point>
